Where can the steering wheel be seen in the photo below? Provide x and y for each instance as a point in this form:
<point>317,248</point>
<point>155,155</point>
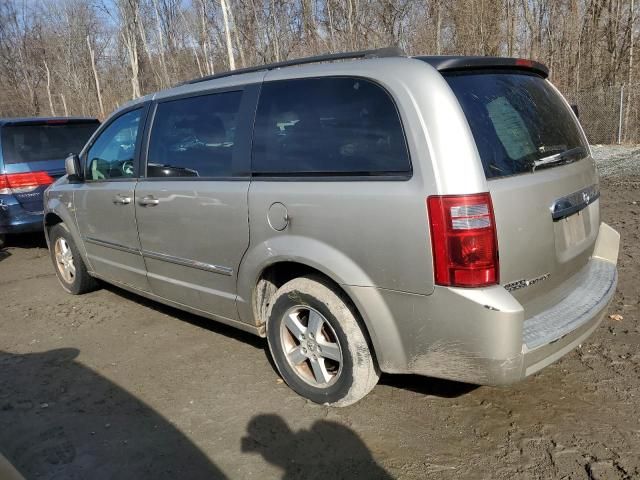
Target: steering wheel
<point>127,168</point>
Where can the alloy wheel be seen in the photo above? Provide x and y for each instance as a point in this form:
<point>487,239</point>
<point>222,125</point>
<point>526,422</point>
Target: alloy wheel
<point>64,260</point>
<point>311,346</point>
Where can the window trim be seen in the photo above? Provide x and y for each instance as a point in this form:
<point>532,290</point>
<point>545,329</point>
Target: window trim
<point>334,176</point>
<point>241,159</point>
<point>144,107</point>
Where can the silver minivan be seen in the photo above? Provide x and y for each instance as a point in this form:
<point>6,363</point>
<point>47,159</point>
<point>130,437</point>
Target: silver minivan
<point>365,212</point>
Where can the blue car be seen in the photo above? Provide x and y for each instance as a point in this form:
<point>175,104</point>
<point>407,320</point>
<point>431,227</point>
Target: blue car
<point>32,153</point>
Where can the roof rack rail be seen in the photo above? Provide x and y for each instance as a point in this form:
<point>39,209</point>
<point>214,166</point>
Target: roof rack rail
<point>376,53</point>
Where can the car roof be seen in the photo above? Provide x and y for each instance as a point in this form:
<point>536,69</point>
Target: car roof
<point>45,120</point>
<point>243,76</point>
<point>439,62</point>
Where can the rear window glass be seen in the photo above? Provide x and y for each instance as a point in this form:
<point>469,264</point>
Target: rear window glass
<point>519,122</point>
<point>328,126</point>
<point>34,143</point>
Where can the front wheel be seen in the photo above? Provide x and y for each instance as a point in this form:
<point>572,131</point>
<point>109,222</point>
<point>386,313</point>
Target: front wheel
<point>318,344</point>
<point>69,266</point>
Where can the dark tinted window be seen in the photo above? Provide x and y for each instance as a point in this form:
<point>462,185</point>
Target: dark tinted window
<point>518,121</point>
<point>33,143</point>
<point>328,125</point>
<point>194,137</point>
<point>113,152</point>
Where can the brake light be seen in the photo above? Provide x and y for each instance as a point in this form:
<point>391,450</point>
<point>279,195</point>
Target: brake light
<point>523,62</point>
<point>464,240</point>
<point>23,182</point>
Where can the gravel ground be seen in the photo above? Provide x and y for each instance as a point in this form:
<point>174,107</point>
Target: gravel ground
<point>111,386</point>
<point>617,161</point>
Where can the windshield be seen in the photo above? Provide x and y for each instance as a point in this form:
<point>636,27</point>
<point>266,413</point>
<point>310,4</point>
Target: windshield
<point>34,143</point>
<point>519,122</point>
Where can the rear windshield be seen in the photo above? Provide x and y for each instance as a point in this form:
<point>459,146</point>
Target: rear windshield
<point>519,122</point>
<point>34,143</point>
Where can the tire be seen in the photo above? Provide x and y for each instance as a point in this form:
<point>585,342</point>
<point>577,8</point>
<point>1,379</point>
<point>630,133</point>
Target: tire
<point>333,367</point>
<point>64,253</point>
<point>3,240</point>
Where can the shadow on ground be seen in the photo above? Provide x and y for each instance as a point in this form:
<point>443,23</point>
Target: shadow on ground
<point>181,315</point>
<point>435,387</point>
<point>26,240</point>
<point>326,450</point>
<point>59,419</point>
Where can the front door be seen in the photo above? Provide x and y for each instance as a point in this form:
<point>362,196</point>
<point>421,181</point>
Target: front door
<point>105,207</point>
<point>191,207</point>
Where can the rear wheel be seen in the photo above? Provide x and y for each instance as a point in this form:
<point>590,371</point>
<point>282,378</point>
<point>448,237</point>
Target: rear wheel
<point>69,266</point>
<point>3,240</point>
<point>318,344</point>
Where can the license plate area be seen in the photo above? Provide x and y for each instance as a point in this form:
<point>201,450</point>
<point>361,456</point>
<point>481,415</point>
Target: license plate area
<point>575,233</point>
<point>573,229</point>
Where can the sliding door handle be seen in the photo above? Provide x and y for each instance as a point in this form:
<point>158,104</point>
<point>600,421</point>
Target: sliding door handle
<point>121,200</point>
<point>149,201</point>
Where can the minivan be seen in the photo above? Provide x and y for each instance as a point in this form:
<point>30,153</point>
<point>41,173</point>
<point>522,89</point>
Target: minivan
<point>32,153</point>
<point>365,212</point>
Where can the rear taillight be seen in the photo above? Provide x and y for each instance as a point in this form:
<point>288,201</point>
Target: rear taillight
<point>23,182</point>
<point>464,240</point>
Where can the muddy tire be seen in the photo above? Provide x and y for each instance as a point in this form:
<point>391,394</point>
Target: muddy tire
<point>67,262</point>
<point>318,343</point>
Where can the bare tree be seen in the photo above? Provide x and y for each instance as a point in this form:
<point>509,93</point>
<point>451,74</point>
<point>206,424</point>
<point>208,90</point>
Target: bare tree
<point>227,34</point>
<point>96,77</point>
<point>129,11</point>
<point>101,52</point>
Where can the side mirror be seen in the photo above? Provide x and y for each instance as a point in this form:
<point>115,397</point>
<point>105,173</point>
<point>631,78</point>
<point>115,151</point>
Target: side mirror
<point>574,107</point>
<point>72,166</point>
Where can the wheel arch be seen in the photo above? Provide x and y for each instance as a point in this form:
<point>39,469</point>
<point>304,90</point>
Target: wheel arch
<point>56,213</point>
<point>266,268</point>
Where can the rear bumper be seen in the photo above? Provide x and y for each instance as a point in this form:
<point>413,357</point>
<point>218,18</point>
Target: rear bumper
<point>15,219</point>
<point>480,336</point>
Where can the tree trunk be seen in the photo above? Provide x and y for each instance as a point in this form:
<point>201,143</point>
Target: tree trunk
<point>46,67</point>
<point>438,28</point>
<point>96,78</point>
<point>64,105</point>
<point>227,34</point>
<point>243,62</point>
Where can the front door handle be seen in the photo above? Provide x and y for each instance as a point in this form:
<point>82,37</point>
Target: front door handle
<point>149,201</point>
<point>121,200</point>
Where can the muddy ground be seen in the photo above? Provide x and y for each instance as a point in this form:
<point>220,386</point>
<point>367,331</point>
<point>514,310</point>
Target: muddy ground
<point>111,386</point>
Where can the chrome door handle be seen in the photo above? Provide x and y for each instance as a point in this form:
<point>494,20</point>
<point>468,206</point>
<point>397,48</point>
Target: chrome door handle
<point>149,201</point>
<point>121,200</point>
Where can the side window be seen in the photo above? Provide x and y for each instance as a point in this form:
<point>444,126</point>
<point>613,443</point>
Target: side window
<point>112,154</point>
<point>194,137</point>
<point>328,126</point>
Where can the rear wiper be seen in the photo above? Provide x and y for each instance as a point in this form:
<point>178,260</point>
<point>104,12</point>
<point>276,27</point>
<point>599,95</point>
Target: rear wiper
<point>558,157</point>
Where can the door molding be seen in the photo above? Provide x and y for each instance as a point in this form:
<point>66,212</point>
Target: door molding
<point>115,246</point>
<point>222,270</point>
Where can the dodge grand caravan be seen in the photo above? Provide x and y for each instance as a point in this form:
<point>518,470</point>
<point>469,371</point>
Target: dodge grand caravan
<point>32,153</point>
<point>428,215</point>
